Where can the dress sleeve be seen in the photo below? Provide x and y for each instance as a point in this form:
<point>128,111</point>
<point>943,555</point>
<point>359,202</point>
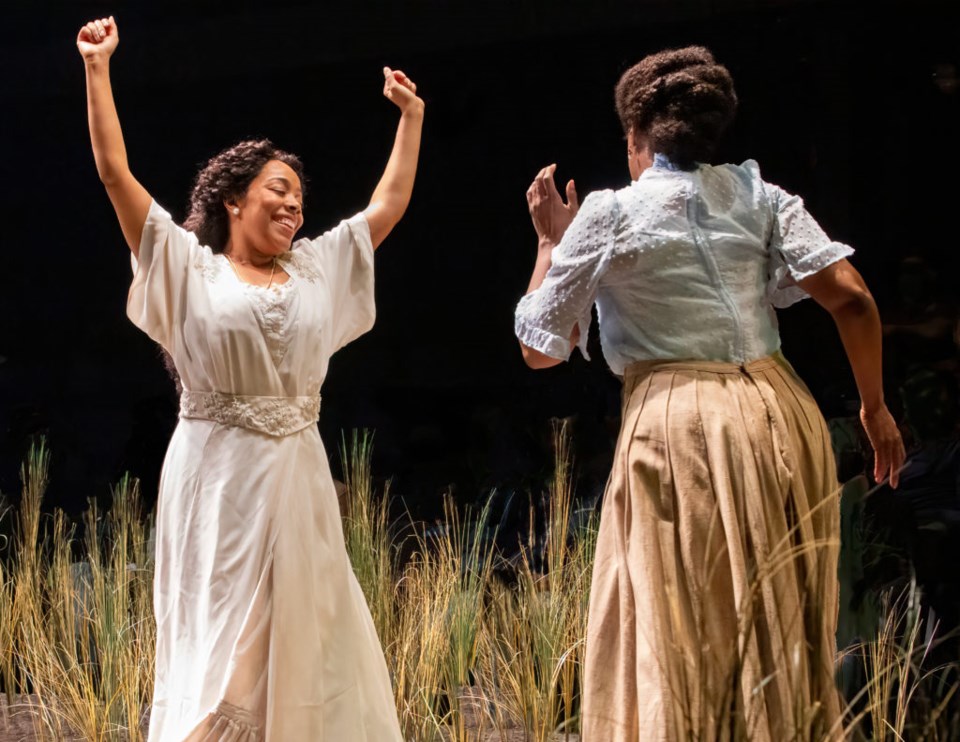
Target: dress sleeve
<point>344,257</point>
<point>545,318</point>
<point>798,248</point>
<point>160,273</point>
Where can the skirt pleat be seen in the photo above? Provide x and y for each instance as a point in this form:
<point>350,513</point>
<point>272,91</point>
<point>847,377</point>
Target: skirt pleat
<point>714,596</point>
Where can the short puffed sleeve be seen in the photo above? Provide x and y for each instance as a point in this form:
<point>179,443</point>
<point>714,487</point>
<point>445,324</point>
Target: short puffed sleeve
<point>343,257</point>
<point>156,298</point>
<point>545,318</point>
<point>798,247</point>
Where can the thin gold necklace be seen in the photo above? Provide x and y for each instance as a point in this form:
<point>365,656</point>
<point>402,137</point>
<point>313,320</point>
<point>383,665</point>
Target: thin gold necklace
<point>273,270</point>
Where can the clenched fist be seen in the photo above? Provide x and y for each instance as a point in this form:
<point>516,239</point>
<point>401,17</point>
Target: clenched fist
<point>98,39</point>
<point>400,90</point>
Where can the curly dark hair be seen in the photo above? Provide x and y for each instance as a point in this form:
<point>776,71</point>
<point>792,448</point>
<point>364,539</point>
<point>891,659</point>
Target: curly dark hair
<point>226,176</point>
<point>681,100</point>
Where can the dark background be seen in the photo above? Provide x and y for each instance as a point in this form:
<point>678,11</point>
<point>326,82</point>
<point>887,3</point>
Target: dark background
<point>855,107</point>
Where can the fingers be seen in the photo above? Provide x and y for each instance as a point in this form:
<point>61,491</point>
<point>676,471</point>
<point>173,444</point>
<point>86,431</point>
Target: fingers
<point>396,77</point>
<point>542,183</point>
<point>537,193</point>
<point>573,202</point>
<point>897,456</point>
<point>533,193</point>
<point>98,30</point>
<point>547,187</point>
<point>880,466</point>
<point>401,78</point>
<point>543,188</point>
<point>894,476</point>
<point>887,443</point>
<point>545,178</point>
<point>889,455</point>
<point>887,468</point>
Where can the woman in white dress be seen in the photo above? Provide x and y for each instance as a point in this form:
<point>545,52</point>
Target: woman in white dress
<point>262,630</point>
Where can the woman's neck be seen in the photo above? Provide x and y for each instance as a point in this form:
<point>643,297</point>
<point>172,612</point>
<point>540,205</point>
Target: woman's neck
<point>245,254</point>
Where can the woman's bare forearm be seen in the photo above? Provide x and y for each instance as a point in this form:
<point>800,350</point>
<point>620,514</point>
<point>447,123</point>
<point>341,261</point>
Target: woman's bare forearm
<point>106,137</point>
<point>542,266</point>
<point>96,42</point>
<point>551,217</point>
<point>858,323</point>
<point>392,195</point>
<point>532,357</point>
<point>840,290</point>
<point>130,199</point>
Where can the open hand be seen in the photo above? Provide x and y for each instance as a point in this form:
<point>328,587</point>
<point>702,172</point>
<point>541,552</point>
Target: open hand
<point>400,90</point>
<point>888,451</point>
<point>98,39</point>
<point>550,215</point>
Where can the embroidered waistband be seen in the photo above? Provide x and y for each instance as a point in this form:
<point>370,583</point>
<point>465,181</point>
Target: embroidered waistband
<point>278,416</point>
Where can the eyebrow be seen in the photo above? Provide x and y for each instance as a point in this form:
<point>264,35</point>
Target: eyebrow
<point>285,180</point>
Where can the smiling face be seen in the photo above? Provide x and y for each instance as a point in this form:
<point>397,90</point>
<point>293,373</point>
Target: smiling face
<point>270,212</point>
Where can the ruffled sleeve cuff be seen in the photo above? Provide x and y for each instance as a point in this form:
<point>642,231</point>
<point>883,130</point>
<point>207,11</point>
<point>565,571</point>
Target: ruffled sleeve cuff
<point>545,341</point>
<point>783,288</point>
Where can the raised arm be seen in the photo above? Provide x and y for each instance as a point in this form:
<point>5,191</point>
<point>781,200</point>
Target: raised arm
<point>551,217</point>
<point>97,41</point>
<point>840,290</point>
<point>392,195</point>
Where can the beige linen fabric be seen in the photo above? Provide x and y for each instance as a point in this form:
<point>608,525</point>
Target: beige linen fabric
<point>714,596</point>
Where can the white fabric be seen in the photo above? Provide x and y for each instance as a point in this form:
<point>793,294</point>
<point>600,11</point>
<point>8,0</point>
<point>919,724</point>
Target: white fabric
<point>262,629</point>
<point>681,265</point>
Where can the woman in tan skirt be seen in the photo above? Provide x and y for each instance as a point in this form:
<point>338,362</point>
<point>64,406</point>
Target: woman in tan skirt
<point>714,596</point>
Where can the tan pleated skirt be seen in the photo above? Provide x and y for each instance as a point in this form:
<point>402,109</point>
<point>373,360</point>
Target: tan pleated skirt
<point>714,597</point>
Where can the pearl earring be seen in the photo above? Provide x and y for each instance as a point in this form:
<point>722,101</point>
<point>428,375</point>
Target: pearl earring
<point>236,211</point>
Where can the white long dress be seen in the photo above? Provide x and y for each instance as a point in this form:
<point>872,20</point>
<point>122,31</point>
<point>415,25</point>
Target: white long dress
<point>262,629</point>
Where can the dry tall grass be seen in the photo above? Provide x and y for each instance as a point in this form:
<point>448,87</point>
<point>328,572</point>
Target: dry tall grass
<point>78,636</point>
<point>904,696</point>
<point>478,647</point>
<point>533,631</point>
